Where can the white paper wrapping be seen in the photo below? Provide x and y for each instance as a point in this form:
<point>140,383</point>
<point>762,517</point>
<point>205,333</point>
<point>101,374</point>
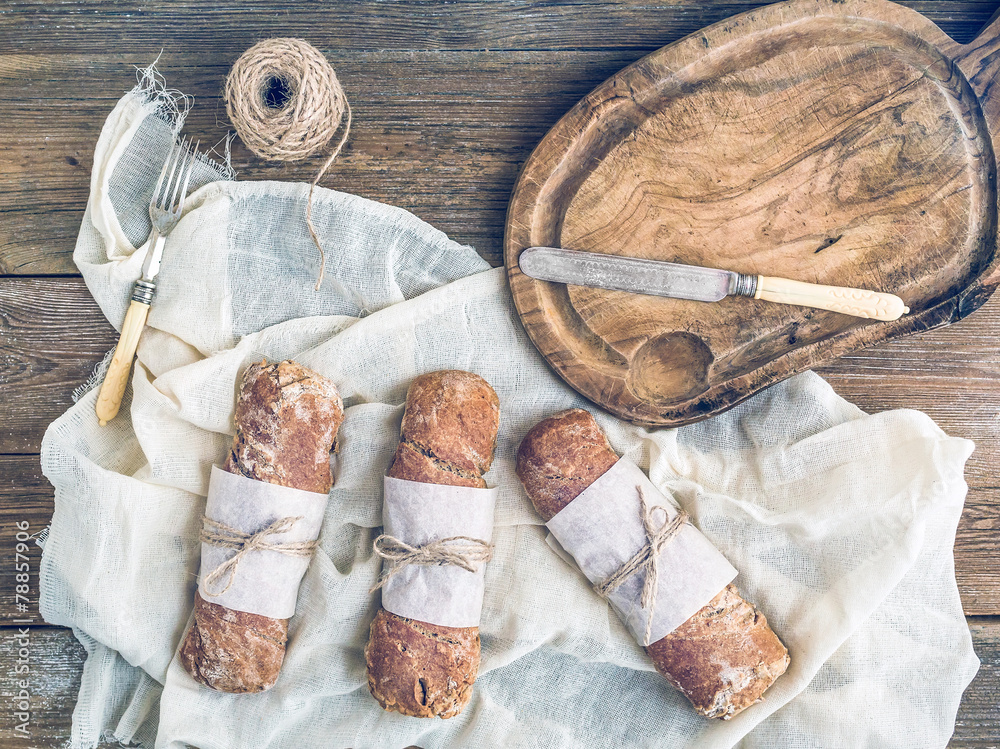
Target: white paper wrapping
<point>265,582</point>
<point>602,529</point>
<point>418,513</point>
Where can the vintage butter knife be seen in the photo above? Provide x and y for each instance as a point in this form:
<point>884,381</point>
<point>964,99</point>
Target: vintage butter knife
<point>640,276</point>
<point>165,207</point>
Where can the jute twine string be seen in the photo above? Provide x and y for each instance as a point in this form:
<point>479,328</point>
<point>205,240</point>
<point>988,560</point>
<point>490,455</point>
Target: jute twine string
<point>646,560</point>
<point>462,551</point>
<point>219,534</point>
<point>300,120</point>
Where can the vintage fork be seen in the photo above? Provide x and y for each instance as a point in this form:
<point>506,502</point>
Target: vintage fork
<point>164,213</point>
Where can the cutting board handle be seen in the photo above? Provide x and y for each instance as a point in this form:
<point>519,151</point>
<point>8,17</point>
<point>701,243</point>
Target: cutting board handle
<point>979,60</point>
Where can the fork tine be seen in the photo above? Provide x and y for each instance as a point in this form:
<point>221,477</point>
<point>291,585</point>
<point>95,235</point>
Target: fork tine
<point>187,166</point>
<point>154,199</point>
<point>187,178</point>
<point>160,196</point>
<point>166,202</point>
<point>175,180</point>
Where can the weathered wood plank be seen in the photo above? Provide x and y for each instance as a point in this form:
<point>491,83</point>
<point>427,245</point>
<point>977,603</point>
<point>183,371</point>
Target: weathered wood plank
<point>53,334</point>
<point>51,680</point>
<point>978,721</point>
<point>441,134</point>
<point>36,242</point>
<point>26,504</point>
<point>85,26</point>
<point>56,660</point>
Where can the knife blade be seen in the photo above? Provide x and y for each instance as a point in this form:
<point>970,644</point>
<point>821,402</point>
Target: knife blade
<point>679,281</point>
<point>635,275</point>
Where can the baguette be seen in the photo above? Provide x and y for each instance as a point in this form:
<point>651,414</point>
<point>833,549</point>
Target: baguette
<point>725,656</point>
<point>287,419</point>
<point>448,436</point>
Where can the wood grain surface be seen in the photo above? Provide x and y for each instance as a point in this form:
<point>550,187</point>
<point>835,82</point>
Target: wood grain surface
<point>87,26</point>
<point>827,142</point>
<point>450,99</point>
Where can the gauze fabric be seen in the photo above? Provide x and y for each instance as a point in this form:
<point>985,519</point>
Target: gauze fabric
<point>840,523</point>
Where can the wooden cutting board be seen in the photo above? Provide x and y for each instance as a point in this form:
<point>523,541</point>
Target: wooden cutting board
<point>844,143</point>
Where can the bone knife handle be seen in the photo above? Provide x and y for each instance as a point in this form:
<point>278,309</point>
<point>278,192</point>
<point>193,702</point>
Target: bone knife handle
<point>874,305</point>
<point>109,400</point>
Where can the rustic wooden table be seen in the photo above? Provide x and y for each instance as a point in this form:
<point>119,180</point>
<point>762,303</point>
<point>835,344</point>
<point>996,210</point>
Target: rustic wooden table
<point>449,99</point>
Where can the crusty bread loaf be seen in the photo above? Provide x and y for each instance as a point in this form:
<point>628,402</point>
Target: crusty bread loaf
<point>448,436</point>
<point>287,419</point>
<point>724,657</point>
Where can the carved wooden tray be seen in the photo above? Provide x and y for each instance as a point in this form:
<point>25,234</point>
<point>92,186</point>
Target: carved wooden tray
<point>844,143</point>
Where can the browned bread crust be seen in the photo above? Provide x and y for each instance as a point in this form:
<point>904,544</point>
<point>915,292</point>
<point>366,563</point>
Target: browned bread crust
<point>452,416</point>
<point>724,657</point>
<point>287,419</point>
<point>560,457</point>
<point>448,436</point>
<point>415,465</point>
<point>233,651</point>
<point>422,670</point>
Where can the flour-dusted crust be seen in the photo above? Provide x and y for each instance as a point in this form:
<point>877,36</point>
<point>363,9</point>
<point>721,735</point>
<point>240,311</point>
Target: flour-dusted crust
<point>448,436</point>
<point>287,419</point>
<point>233,651</point>
<point>724,657</point>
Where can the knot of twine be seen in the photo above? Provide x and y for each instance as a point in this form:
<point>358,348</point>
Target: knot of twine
<point>219,534</point>
<point>646,560</point>
<point>462,551</point>
<point>286,103</point>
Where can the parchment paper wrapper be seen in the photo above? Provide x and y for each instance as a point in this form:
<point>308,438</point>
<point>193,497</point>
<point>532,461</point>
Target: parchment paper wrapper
<point>417,513</point>
<point>602,528</point>
<point>265,582</point>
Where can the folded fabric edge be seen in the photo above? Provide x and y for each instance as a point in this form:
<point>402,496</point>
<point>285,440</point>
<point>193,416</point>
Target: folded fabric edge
<point>133,717</point>
<point>954,450</point>
<point>173,106</point>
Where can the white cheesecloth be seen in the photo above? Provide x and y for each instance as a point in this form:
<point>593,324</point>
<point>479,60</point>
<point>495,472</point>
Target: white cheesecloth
<point>840,523</point>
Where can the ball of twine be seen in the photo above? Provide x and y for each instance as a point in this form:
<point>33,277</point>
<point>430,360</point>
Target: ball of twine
<point>285,101</point>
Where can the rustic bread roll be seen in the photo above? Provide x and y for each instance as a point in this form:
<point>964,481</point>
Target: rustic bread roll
<point>448,436</point>
<point>722,658</point>
<point>287,419</point>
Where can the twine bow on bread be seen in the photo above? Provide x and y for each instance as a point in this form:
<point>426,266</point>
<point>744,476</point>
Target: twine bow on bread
<point>646,560</point>
<point>219,534</point>
<point>461,551</point>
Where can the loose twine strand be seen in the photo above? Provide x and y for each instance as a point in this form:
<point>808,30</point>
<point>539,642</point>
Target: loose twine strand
<point>219,534</point>
<point>646,560</point>
<point>299,126</point>
<point>462,551</point>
